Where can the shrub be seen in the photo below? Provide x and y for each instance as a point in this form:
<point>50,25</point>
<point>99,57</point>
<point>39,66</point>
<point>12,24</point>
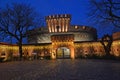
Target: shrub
<point>1,59</point>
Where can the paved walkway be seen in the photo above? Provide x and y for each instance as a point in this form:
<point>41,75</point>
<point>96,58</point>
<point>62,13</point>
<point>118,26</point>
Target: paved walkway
<point>66,69</point>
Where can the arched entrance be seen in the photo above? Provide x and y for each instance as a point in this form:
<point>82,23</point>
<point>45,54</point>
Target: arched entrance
<point>63,52</point>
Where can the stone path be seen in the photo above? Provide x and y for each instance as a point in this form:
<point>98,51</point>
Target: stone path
<point>63,69</point>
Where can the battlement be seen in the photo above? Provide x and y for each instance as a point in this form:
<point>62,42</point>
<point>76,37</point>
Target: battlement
<point>58,23</point>
<point>78,28</point>
<point>58,16</point>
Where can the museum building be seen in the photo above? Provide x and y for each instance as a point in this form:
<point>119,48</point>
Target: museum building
<point>59,39</point>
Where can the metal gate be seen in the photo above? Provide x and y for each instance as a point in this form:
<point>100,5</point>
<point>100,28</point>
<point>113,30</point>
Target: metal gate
<point>63,53</point>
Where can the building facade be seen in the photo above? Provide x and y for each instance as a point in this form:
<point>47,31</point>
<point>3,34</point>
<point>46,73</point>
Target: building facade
<point>59,39</point>
<point>61,35</point>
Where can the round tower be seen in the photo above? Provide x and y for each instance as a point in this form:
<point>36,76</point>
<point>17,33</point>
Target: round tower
<point>58,23</point>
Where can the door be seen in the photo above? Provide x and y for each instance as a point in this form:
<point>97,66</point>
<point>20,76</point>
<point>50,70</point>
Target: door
<point>63,52</point>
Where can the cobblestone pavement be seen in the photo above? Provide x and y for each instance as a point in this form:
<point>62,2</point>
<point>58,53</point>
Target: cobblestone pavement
<point>63,69</point>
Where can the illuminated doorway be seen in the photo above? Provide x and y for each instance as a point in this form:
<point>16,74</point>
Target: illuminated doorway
<point>63,53</point>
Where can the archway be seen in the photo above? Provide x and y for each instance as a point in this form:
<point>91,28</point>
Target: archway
<point>63,53</point>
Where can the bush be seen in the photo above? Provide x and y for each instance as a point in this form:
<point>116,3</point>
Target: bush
<point>47,57</point>
<point>1,59</point>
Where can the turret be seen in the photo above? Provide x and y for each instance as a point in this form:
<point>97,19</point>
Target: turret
<point>58,23</point>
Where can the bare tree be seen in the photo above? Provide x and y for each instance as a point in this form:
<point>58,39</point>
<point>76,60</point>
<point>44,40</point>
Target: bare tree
<point>107,42</point>
<point>105,11</point>
<point>16,20</point>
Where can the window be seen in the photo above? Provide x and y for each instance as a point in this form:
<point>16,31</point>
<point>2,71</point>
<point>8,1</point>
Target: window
<point>76,27</point>
<point>84,27</point>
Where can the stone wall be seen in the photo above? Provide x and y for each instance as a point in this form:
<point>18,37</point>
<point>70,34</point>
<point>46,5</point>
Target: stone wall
<point>80,48</point>
<point>116,36</point>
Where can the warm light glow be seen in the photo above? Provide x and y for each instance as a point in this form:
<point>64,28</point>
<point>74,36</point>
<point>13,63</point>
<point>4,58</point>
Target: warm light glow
<point>63,27</point>
<point>58,20</point>
<point>64,40</point>
<point>83,27</point>
<point>70,44</point>
<point>72,53</point>
<point>119,42</point>
<point>49,27</point>
<point>66,26</point>
<point>76,27</point>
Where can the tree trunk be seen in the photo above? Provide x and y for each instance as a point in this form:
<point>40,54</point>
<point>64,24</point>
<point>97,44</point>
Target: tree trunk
<point>20,50</point>
<point>107,47</point>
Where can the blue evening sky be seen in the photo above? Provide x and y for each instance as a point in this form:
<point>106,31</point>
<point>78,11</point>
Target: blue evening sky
<point>77,8</point>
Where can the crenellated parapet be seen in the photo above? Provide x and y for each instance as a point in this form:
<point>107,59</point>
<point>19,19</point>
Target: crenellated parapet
<point>58,23</point>
<point>83,33</point>
<point>77,28</point>
<point>58,16</point>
